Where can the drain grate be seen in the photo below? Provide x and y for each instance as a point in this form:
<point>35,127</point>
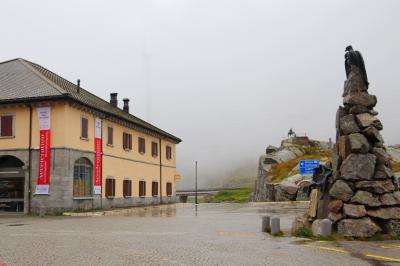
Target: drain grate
<point>16,224</point>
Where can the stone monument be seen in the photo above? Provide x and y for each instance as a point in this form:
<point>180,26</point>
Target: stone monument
<point>364,194</point>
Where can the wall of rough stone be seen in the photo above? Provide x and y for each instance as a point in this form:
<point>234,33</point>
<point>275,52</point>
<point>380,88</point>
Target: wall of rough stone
<point>364,193</point>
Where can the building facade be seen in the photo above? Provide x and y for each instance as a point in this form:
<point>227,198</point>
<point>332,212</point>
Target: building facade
<point>63,148</point>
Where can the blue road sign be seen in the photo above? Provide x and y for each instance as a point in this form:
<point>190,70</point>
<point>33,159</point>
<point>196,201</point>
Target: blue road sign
<point>307,166</point>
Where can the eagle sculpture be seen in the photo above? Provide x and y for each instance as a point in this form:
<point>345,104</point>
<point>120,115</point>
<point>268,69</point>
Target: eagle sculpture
<point>354,58</point>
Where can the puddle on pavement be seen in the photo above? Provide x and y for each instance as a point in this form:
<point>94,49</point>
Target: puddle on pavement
<point>16,224</point>
<point>154,211</point>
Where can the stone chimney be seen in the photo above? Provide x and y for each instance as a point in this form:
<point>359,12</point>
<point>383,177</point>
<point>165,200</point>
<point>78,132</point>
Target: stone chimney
<point>113,99</point>
<point>126,105</point>
<point>78,86</point>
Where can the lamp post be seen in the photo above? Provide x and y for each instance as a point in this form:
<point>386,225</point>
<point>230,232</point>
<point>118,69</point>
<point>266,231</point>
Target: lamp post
<point>195,188</point>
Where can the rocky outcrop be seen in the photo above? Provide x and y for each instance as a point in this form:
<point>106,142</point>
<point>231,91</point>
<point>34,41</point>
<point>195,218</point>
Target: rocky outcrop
<point>363,180</point>
<point>295,186</point>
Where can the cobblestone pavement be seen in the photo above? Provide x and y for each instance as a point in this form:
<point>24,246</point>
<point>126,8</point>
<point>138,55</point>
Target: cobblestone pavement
<point>221,234</point>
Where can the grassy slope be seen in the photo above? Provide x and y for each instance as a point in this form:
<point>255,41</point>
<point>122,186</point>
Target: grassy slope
<point>238,196</point>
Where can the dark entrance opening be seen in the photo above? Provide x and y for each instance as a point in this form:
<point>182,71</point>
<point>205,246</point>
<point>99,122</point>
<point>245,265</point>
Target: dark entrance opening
<point>12,183</point>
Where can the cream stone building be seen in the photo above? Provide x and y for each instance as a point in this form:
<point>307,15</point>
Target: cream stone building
<point>50,124</point>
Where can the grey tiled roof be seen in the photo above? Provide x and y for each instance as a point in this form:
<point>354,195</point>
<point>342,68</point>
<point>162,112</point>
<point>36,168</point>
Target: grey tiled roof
<point>21,80</point>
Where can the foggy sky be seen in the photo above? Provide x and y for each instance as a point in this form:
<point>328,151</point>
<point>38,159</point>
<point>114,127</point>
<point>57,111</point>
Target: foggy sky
<point>228,77</point>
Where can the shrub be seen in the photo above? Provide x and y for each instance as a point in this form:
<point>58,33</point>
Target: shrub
<point>303,232</point>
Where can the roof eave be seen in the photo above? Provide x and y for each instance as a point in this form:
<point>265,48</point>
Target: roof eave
<point>69,97</point>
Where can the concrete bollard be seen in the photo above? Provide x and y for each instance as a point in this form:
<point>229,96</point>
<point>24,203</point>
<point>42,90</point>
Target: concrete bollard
<point>42,211</point>
<point>326,227</point>
<point>266,226</point>
<point>275,225</point>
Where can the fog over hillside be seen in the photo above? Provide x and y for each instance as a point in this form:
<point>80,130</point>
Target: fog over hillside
<point>228,77</point>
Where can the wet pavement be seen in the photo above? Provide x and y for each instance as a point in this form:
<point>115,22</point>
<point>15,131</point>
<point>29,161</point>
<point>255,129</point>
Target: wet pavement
<point>220,234</point>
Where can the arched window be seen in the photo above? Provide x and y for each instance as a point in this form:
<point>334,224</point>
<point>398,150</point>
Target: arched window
<point>83,178</point>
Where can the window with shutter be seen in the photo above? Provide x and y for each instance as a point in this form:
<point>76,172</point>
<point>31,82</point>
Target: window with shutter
<point>154,149</point>
<point>127,188</point>
<point>154,189</point>
<point>6,125</point>
<point>127,141</point>
<point>84,128</point>
<point>110,187</point>
<point>142,189</point>
<point>110,136</point>
<point>169,189</point>
<point>142,145</point>
<point>168,152</point>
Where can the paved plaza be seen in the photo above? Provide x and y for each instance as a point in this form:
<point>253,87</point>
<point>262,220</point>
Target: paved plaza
<point>220,234</point>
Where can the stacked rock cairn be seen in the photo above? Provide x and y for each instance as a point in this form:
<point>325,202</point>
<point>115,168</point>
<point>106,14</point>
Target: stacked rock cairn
<point>364,194</point>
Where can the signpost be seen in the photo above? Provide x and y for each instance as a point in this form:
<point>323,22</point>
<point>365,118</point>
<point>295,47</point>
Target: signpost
<point>308,166</point>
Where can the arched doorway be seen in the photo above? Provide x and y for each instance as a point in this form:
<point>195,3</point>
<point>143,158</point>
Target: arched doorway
<point>83,178</point>
<point>12,183</point>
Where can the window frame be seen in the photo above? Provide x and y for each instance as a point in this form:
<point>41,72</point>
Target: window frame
<point>87,128</point>
<point>129,147</point>
<point>86,164</point>
<point>169,189</point>
<point>108,136</point>
<point>13,117</point>
<point>141,145</point>
<point>154,188</point>
<point>108,194</point>
<point>127,193</point>
<point>142,192</point>
<point>154,154</point>
<point>168,152</point>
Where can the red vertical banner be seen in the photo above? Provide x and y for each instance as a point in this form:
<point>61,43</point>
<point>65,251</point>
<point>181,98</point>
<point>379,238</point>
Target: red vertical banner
<point>97,158</point>
<point>43,180</point>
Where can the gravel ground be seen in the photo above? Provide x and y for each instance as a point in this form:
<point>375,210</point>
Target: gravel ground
<point>221,234</point>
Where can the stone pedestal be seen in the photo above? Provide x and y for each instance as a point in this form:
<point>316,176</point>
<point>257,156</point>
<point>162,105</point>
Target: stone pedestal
<point>364,196</point>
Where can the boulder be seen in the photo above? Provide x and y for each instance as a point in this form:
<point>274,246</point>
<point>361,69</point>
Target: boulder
<point>285,192</point>
<point>358,109</point>
<point>382,172</point>
<point>339,114</point>
<point>295,179</point>
<point>373,112</point>
<point>335,216</point>
<point>367,120</point>
<point>271,149</point>
<point>335,205</point>
<point>382,157</point>
<point>376,186</point>
<point>366,198</point>
<point>348,125</point>
<point>364,227</point>
<point>390,199</point>
<point>316,227</point>
<point>373,134</point>
<point>341,190</point>
<point>354,82</point>
<point>303,193</point>
<point>343,146</point>
<point>379,145</point>
<point>354,211</point>
<point>385,213</point>
<point>358,167</point>
<point>321,227</point>
<point>358,143</point>
<point>362,98</point>
<point>391,227</point>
